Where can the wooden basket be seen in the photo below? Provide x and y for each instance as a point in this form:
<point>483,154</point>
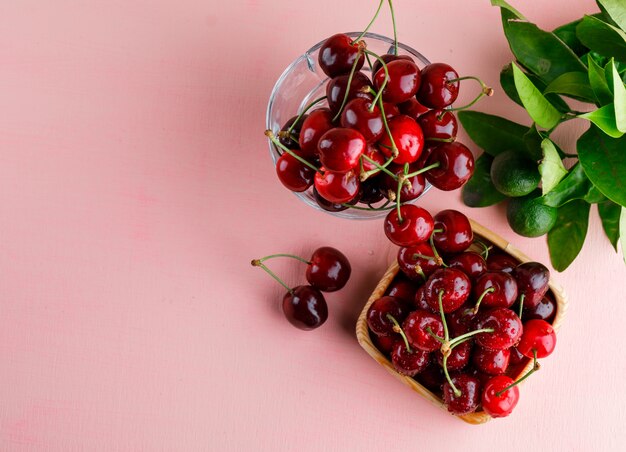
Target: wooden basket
<point>363,336</point>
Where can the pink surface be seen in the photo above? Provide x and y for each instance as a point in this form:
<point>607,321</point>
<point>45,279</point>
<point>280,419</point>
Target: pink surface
<point>135,188</point>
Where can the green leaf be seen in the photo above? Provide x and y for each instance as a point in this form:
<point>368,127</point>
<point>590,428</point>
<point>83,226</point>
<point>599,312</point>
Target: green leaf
<point>610,216</point>
<point>619,96</point>
<point>602,37</point>
<point>541,52</point>
<point>617,10</point>
<point>604,162</point>
<point>604,118</point>
<point>594,196</point>
<point>505,5</point>
<point>533,139</point>
<point>479,191</point>
<point>551,167</point>
<point>598,83</point>
<point>572,84</point>
<point>508,85</point>
<point>622,232</point>
<point>493,133</point>
<point>567,34</point>
<point>537,106</point>
<point>566,238</point>
<point>576,185</point>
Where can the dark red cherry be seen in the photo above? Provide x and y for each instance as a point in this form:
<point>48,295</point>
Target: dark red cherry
<point>388,58</point>
<point>412,108</point>
<point>456,166</point>
<point>327,205</point>
<point>438,124</point>
<point>314,126</point>
<point>428,148</point>
<point>491,362</point>
<point>409,191</point>
<point>408,138</point>
<point>461,320</point>
<point>453,285</point>
<point>414,265</point>
<point>499,405</point>
<point>357,115</point>
<point>497,262</point>
<point>532,280</point>
<point>291,140</point>
<point>403,82</point>
<point>456,234</point>
<point>293,174</point>
<point>370,193</point>
<point>305,307</point>
<point>338,54</point>
<point>507,328</point>
<point>391,110</point>
<point>329,269</point>
<point>340,149</point>
<point>384,343</point>
<point>470,263</point>
<point>408,363</point>
<point>415,226</point>
<point>432,378</point>
<point>337,187</point>
<point>502,290</point>
<point>545,310</point>
<point>538,335</point>
<point>436,89</point>
<point>420,302</point>
<point>417,326</point>
<point>459,356</point>
<point>402,289</point>
<point>377,318</point>
<point>337,87</point>
<point>469,399</point>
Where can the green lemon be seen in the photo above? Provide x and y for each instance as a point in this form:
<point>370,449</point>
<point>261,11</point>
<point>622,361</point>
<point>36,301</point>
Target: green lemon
<point>514,174</point>
<point>529,217</point>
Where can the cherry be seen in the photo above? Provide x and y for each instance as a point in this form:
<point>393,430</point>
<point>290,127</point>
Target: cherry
<point>377,318</point>
<point>428,148</point>
<point>338,54</point>
<point>507,328</point>
<point>414,265</point>
<point>538,336</point>
<point>358,116</point>
<point>414,226</point>
<point>388,58</point>
<point>305,307</point>
<point>340,149</point>
<point>409,191</point>
<point>408,362</point>
<point>438,124</point>
<point>491,362</point>
<point>328,270</point>
<point>432,378</point>
<point>286,138</point>
<point>417,326</point>
<point>437,90</point>
<point>469,398</point>
<point>313,127</point>
<point>383,343</point>
<point>459,356</point>
<point>451,285</point>
<point>391,110</point>
<point>402,289</point>
<point>495,290</point>
<point>337,187</point>
<point>293,174</point>
<point>403,82</point>
<point>456,231</point>
<point>532,279</point>
<point>470,263</point>
<point>408,138</point>
<point>499,405</point>
<point>516,356</point>
<point>482,377</point>
<point>420,302</point>
<point>412,108</point>
<point>370,193</point>
<point>373,153</point>
<point>336,90</point>
<point>461,320</point>
<point>327,205</point>
<point>545,309</point>
<point>501,262</point>
<point>456,166</point>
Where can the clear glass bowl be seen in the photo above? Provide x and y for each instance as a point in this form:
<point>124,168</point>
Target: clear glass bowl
<point>302,82</point>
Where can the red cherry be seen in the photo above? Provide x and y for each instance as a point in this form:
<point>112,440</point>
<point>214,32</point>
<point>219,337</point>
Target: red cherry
<point>454,286</point>
<point>403,82</point>
<point>340,149</point>
<point>503,290</point>
<point>532,279</point>
<point>402,289</point>
<point>499,405</point>
<point>469,399</point>
<point>456,235</point>
<point>338,54</point>
<point>459,356</point>
<point>293,174</point>
<point>461,320</point>
<point>329,269</point>
<point>285,139</point>
<point>314,126</point>
<point>507,328</point>
<point>391,110</point>
<point>327,205</point>
<point>408,138</point>
<point>305,307</point>
<point>373,153</point>
<point>377,318</point>
<point>337,187</point>
<point>415,227</point>
<point>456,166</point>
<point>357,115</point>
<point>409,191</point>
<point>491,362</point>
<point>383,343</point>
<point>388,58</point>
<point>516,356</point>
<point>420,302</point>
<point>470,263</point>
<point>436,89</point>
<point>412,108</point>
<point>408,363</point>
<point>545,310</point>
<point>369,192</point>
<point>416,327</point>
<point>538,335</point>
<point>414,266</point>
<point>336,90</point>
<point>501,262</point>
<point>439,124</point>
<point>432,378</point>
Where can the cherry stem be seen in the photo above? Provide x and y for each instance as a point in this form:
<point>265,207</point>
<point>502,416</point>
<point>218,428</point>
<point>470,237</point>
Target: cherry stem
<point>432,245</point>
<point>393,22</point>
<point>485,91</point>
<point>521,304</point>
<point>398,202</point>
<point>434,336</point>
<point>446,335</point>
<point>384,84</point>
<point>441,140</point>
<point>371,22</point>
<point>302,113</point>
<point>485,251</point>
<point>464,337</point>
<point>480,299</point>
<point>423,256</point>
<point>398,329</point>
<point>258,263</point>
<point>423,170</point>
<point>345,96</point>
<point>420,272</point>
<point>457,393</point>
<point>269,134</point>
<point>535,368</point>
<point>383,168</point>
<point>381,107</point>
<point>365,175</point>
<point>272,256</point>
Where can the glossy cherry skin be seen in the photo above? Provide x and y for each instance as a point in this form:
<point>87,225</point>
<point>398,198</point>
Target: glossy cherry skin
<point>408,363</point>
<point>384,343</point>
<point>327,205</point>
<point>516,356</point>
<point>470,263</point>
<point>370,193</point>
<point>532,280</point>
<point>507,328</point>
<point>454,284</point>
<point>461,320</point>
<point>402,289</point>
<point>439,124</point>
<point>501,263</point>
<point>459,356</point>
<point>457,232</point>
<point>391,110</point>
<point>469,399</point>
<point>503,405</point>
<point>456,166</point>
<point>329,269</point>
<point>338,54</point>
<point>388,58</point>
<point>491,362</point>
<point>545,310</point>
<point>436,89</point>
<point>337,87</point>
<point>432,378</point>
<point>403,82</point>
<point>314,126</point>
<point>305,307</point>
<point>377,318</point>
<point>293,174</point>
<point>416,328</point>
<point>420,302</point>
<point>340,149</point>
<point>416,225</point>
<point>412,108</point>
<point>414,266</point>
<point>375,154</point>
<point>287,141</point>
<point>408,192</point>
<point>357,115</point>
<point>538,335</point>
<point>504,291</point>
<point>408,137</point>
<point>337,187</point>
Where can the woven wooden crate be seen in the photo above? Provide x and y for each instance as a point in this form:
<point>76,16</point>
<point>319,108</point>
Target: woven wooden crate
<point>363,335</point>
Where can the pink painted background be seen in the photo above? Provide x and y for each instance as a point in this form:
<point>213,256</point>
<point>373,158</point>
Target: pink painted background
<point>135,187</point>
